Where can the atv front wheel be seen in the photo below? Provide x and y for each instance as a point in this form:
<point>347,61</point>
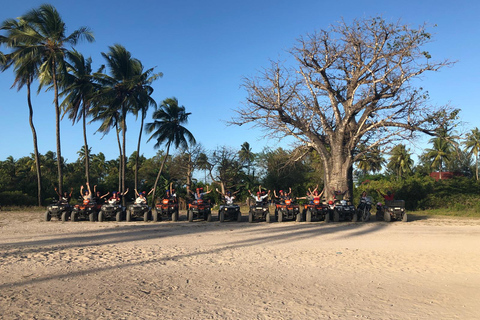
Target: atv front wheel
<point>91,217</point>
<point>118,217</point>
<point>64,216</point>
<point>221,216</point>
<point>190,215</point>
<point>404,217</point>
<point>100,216</point>
<point>48,216</point>
<point>129,216</point>
<point>250,217</point>
<point>354,217</point>
<point>239,216</point>
<point>145,216</point>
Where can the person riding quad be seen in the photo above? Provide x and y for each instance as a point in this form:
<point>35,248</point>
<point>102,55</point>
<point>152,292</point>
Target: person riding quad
<point>259,197</point>
<point>98,197</point>
<point>65,199</point>
<point>141,197</point>
<point>116,197</point>
<point>199,194</point>
<point>88,193</point>
<point>390,196</point>
<point>228,197</point>
<point>282,195</point>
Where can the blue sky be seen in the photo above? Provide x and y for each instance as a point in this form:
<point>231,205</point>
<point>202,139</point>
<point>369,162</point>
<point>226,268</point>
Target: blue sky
<point>205,48</point>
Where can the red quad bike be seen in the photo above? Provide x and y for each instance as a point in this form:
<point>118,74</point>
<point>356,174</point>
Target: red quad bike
<point>288,211</point>
<point>259,211</point>
<point>392,210</point>
<point>199,209</point>
<point>87,210</point>
<point>316,210</point>
<point>167,209</point>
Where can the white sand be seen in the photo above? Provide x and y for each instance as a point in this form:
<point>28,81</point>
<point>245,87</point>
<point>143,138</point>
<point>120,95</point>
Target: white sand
<point>424,269</point>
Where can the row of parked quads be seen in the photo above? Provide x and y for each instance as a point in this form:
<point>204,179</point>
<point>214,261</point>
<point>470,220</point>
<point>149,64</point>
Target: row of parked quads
<point>339,210</point>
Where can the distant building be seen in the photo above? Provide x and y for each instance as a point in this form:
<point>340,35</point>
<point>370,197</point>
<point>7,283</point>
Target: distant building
<point>445,175</point>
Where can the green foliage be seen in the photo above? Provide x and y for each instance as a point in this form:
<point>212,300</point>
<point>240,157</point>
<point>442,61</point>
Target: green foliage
<point>10,198</point>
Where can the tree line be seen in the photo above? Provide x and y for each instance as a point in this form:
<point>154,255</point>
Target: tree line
<point>348,100</point>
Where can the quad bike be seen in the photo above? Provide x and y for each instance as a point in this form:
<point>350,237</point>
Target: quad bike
<point>138,210</point>
<point>316,210</point>
<point>343,211</point>
<point>230,212</point>
<point>288,211</point>
<point>87,210</point>
<point>167,209</point>
<point>259,211</point>
<point>59,209</point>
<point>111,211</point>
<point>364,208</point>
<point>392,210</point>
<point>199,209</point>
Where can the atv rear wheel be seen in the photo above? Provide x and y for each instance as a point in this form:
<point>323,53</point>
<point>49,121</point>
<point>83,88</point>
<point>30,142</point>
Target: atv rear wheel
<point>155,215</point>
<point>250,216</point>
<point>174,216</point>
<point>404,217</point>
<point>64,216</point>
<point>280,216</point>
<point>221,216</point>
<point>91,217</point>
<point>209,216</point>
<point>327,217</point>
<point>48,216</point>
<point>73,216</point>
<point>239,216</point>
<point>129,216</point>
<point>354,217</point>
<point>336,216</point>
<point>100,216</point>
<point>298,218</point>
<point>267,217</point>
<point>145,216</point>
<point>118,217</point>
<point>190,215</point>
<point>308,216</point>
<point>387,217</point>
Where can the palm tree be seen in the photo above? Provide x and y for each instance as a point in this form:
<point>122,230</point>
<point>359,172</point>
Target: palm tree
<point>203,164</point>
<point>110,118</point>
<point>168,128</point>
<point>46,38</point>
<point>26,70</point>
<point>247,157</point>
<point>400,161</point>
<point>370,160</point>
<point>123,91</point>
<point>472,144</point>
<point>79,90</point>
<point>145,100</point>
<point>439,154</point>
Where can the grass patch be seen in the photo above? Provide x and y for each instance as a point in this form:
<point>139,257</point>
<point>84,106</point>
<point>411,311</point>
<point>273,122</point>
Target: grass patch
<point>470,213</point>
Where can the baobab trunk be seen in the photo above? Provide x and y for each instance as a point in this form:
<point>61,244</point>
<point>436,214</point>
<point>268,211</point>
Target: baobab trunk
<point>338,175</point>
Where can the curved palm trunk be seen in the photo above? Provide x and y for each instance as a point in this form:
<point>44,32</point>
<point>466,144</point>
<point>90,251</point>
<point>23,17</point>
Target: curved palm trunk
<point>87,160</point>
<point>57,129</point>
<point>159,174</point>
<point>138,152</point>
<point>476,165</point>
<point>124,157</point>
<point>120,163</point>
<point>35,146</point>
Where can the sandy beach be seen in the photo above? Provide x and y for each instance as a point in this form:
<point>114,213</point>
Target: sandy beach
<point>428,268</point>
